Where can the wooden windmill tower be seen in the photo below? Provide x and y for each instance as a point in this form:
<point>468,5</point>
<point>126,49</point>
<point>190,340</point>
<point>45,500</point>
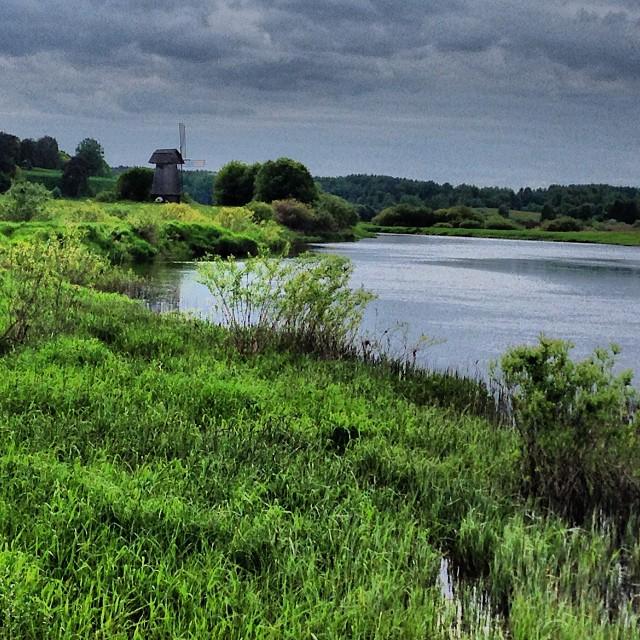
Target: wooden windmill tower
<point>167,178</point>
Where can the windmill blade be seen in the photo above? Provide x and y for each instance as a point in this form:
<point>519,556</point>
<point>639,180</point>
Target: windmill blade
<point>183,140</point>
<point>195,164</point>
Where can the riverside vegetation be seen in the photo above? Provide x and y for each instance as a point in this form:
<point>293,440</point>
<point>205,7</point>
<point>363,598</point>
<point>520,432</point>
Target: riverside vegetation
<point>273,478</point>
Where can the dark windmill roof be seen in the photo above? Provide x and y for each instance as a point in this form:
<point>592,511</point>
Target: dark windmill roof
<point>166,156</point>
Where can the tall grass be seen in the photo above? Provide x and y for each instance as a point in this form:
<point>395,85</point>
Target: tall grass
<point>160,483</point>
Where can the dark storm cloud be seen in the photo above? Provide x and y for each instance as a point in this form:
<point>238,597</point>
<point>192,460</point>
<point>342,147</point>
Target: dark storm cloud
<point>490,67</point>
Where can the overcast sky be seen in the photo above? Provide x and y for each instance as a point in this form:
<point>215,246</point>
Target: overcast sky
<point>504,92</point>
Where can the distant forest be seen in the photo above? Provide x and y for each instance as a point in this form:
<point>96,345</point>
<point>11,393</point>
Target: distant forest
<point>375,193</point>
<point>370,193</point>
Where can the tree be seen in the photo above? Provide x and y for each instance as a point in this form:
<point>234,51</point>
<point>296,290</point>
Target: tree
<point>624,211</point>
<point>285,179</point>
<point>27,153</point>
<point>342,212</point>
<point>9,153</point>
<point>135,184</point>
<point>74,178</point>
<point>234,184</point>
<point>46,153</point>
<point>5,182</point>
<point>92,153</point>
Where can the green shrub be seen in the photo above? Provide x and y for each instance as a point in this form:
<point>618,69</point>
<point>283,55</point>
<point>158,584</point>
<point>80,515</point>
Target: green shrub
<point>342,213</point>
<point>234,218</point>
<point>262,211</point>
<point>456,216</point>
<point>303,302</point>
<point>495,221</point>
<point>135,184</point>
<point>36,279</point>
<point>470,223</point>
<point>563,223</point>
<point>106,196</point>
<point>405,215</point>
<point>579,438</point>
<point>295,215</point>
<point>24,201</point>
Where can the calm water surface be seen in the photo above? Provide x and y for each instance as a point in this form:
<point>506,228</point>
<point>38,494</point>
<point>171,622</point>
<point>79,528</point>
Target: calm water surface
<point>478,296</point>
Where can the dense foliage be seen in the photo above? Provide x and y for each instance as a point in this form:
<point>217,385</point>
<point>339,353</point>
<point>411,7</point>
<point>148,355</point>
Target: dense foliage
<point>74,178</point>
<point>375,193</point>
<point>135,184</point>
<point>24,201</point>
<point>91,151</point>
<point>234,183</point>
<point>578,436</point>
<point>284,179</point>
<point>302,303</point>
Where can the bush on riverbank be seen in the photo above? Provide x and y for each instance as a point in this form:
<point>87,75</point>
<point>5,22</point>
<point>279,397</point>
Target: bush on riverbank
<point>579,435</point>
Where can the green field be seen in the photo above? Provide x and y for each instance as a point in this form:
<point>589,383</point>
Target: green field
<point>52,178</point>
<point>626,238</point>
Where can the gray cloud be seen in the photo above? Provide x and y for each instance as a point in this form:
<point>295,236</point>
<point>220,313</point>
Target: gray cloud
<point>439,68</point>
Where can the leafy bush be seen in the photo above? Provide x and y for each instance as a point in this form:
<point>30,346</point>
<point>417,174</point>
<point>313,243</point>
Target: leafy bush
<point>342,213</point>
<point>305,303</point>
<point>135,184</point>
<point>470,223</point>
<point>498,222</point>
<point>405,215</point>
<point>24,201</point>
<point>579,438</point>
<point>106,196</point>
<point>294,214</point>
<point>36,279</point>
<point>459,216</point>
<point>235,218</point>
<point>563,223</point>
<point>262,211</point>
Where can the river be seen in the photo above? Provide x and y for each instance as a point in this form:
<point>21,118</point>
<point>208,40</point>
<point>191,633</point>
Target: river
<point>476,297</point>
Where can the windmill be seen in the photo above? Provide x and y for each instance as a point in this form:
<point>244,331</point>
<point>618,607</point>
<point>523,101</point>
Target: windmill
<point>167,177</point>
<point>193,164</point>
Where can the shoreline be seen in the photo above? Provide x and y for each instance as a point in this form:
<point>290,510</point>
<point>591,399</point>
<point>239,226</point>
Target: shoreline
<point>616,238</point>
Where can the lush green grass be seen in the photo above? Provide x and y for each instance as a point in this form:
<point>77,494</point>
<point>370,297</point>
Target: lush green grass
<point>130,232</point>
<point>626,238</point>
<point>158,485</point>
<point>52,178</point>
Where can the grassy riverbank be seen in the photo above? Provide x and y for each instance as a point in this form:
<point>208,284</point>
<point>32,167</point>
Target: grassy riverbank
<point>132,232</point>
<point>625,238</point>
<point>159,484</point>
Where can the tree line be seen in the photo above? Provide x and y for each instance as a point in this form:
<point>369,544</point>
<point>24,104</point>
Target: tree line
<point>373,193</point>
<point>18,155</point>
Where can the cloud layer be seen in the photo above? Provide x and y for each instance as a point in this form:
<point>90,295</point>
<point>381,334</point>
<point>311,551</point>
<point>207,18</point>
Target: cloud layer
<point>356,77</point>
